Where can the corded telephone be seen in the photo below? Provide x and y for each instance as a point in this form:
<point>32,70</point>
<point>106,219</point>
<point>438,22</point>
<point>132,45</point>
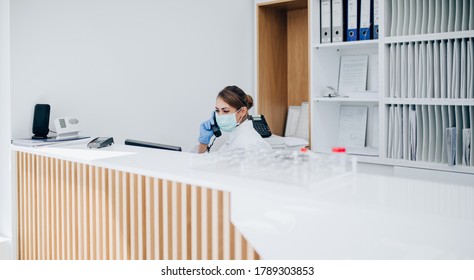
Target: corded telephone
<point>215,128</point>
<point>261,126</point>
<point>67,128</point>
<point>100,142</point>
<point>259,123</point>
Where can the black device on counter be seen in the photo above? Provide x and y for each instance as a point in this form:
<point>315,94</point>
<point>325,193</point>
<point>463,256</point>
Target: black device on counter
<point>100,142</point>
<point>41,121</point>
<point>261,126</point>
<point>139,143</point>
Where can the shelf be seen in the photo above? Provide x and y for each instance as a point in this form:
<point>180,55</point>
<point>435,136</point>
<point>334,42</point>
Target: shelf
<point>417,164</point>
<point>345,99</point>
<point>357,152</point>
<point>347,45</point>
<point>430,101</point>
<point>324,70</point>
<point>429,37</point>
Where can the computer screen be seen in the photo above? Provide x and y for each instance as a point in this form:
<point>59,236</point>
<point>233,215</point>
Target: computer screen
<point>152,145</point>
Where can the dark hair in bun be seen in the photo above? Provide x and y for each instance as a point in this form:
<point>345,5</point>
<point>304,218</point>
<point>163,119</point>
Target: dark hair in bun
<point>236,97</point>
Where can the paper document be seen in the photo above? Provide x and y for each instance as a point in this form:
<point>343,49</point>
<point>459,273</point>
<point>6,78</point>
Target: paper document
<point>352,126</point>
<point>365,151</point>
<point>292,120</point>
<point>275,141</point>
<point>362,94</point>
<point>302,129</point>
<point>451,145</point>
<point>353,73</point>
<point>412,133</point>
<point>293,141</point>
<point>28,142</point>
<point>375,130</point>
<point>282,142</point>
<point>466,146</point>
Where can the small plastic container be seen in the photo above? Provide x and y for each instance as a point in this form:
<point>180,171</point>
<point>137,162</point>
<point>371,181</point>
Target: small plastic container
<point>339,159</point>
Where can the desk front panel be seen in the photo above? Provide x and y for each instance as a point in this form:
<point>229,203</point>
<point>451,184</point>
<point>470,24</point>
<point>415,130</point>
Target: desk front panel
<point>70,210</point>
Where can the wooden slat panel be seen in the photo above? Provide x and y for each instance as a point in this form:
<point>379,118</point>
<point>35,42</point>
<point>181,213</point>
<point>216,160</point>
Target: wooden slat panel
<point>49,203</point>
<point>35,202</point>
<point>68,210</point>
<point>21,205</point>
<point>214,225</point>
<point>188,222</point>
<point>161,220</point>
<point>75,212</point>
<point>141,219</point>
<point>104,217</point>
<point>80,211</point>
<point>98,211</point>
<point>110,214</point>
<point>194,224</point>
<point>174,221</point>
<point>57,224</point>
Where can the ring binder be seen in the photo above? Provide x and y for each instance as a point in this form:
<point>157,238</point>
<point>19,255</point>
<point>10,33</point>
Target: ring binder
<point>326,21</point>
<point>352,20</point>
<point>337,20</point>
<point>365,20</point>
<point>375,31</point>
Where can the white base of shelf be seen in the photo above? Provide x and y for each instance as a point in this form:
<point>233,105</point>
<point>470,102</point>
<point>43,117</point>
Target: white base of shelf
<point>430,101</point>
<point>357,152</point>
<point>429,37</point>
<point>347,44</point>
<point>345,99</point>
<point>417,164</point>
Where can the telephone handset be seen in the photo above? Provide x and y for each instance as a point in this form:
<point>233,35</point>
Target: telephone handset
<point>215,128</point>
<point>259,123</point>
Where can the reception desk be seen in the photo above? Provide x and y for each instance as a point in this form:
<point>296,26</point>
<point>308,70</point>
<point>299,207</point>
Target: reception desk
<point>125,202</point>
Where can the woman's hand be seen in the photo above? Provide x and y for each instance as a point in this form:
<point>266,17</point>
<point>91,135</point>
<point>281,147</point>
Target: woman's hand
<point>205,131</point>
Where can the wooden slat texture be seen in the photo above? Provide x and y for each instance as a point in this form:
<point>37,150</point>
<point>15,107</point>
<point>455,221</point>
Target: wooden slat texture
<point>69,210</point>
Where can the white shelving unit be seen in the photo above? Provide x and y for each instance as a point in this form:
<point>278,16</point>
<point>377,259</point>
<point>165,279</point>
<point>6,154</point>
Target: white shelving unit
<point>325,111</point>
<point>422,22</point>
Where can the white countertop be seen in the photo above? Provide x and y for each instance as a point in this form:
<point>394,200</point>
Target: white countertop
<point>356,216</point>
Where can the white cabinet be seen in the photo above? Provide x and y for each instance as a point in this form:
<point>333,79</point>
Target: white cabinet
<point>423,62</point>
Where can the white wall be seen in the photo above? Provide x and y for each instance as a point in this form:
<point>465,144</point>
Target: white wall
<point>140,69</point>
<point>5,190</point>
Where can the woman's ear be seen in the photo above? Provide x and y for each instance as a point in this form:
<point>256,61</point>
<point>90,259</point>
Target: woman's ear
<point>243,112</point>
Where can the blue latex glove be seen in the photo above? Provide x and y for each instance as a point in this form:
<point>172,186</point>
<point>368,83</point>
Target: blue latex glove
<point>205,131</point>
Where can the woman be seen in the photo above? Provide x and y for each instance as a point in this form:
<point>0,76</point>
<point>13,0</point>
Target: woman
<point>232,115</point>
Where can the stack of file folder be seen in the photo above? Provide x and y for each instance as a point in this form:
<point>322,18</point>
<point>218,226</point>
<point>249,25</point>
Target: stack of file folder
<point>349,20</point>
<point>426,17</point>
<point>431,133</point>
<point>432,69</point>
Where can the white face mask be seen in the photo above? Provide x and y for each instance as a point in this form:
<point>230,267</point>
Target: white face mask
<point>227,122</point>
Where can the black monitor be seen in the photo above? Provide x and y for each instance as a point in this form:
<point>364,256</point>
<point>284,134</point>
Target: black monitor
<point>152,145</point>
